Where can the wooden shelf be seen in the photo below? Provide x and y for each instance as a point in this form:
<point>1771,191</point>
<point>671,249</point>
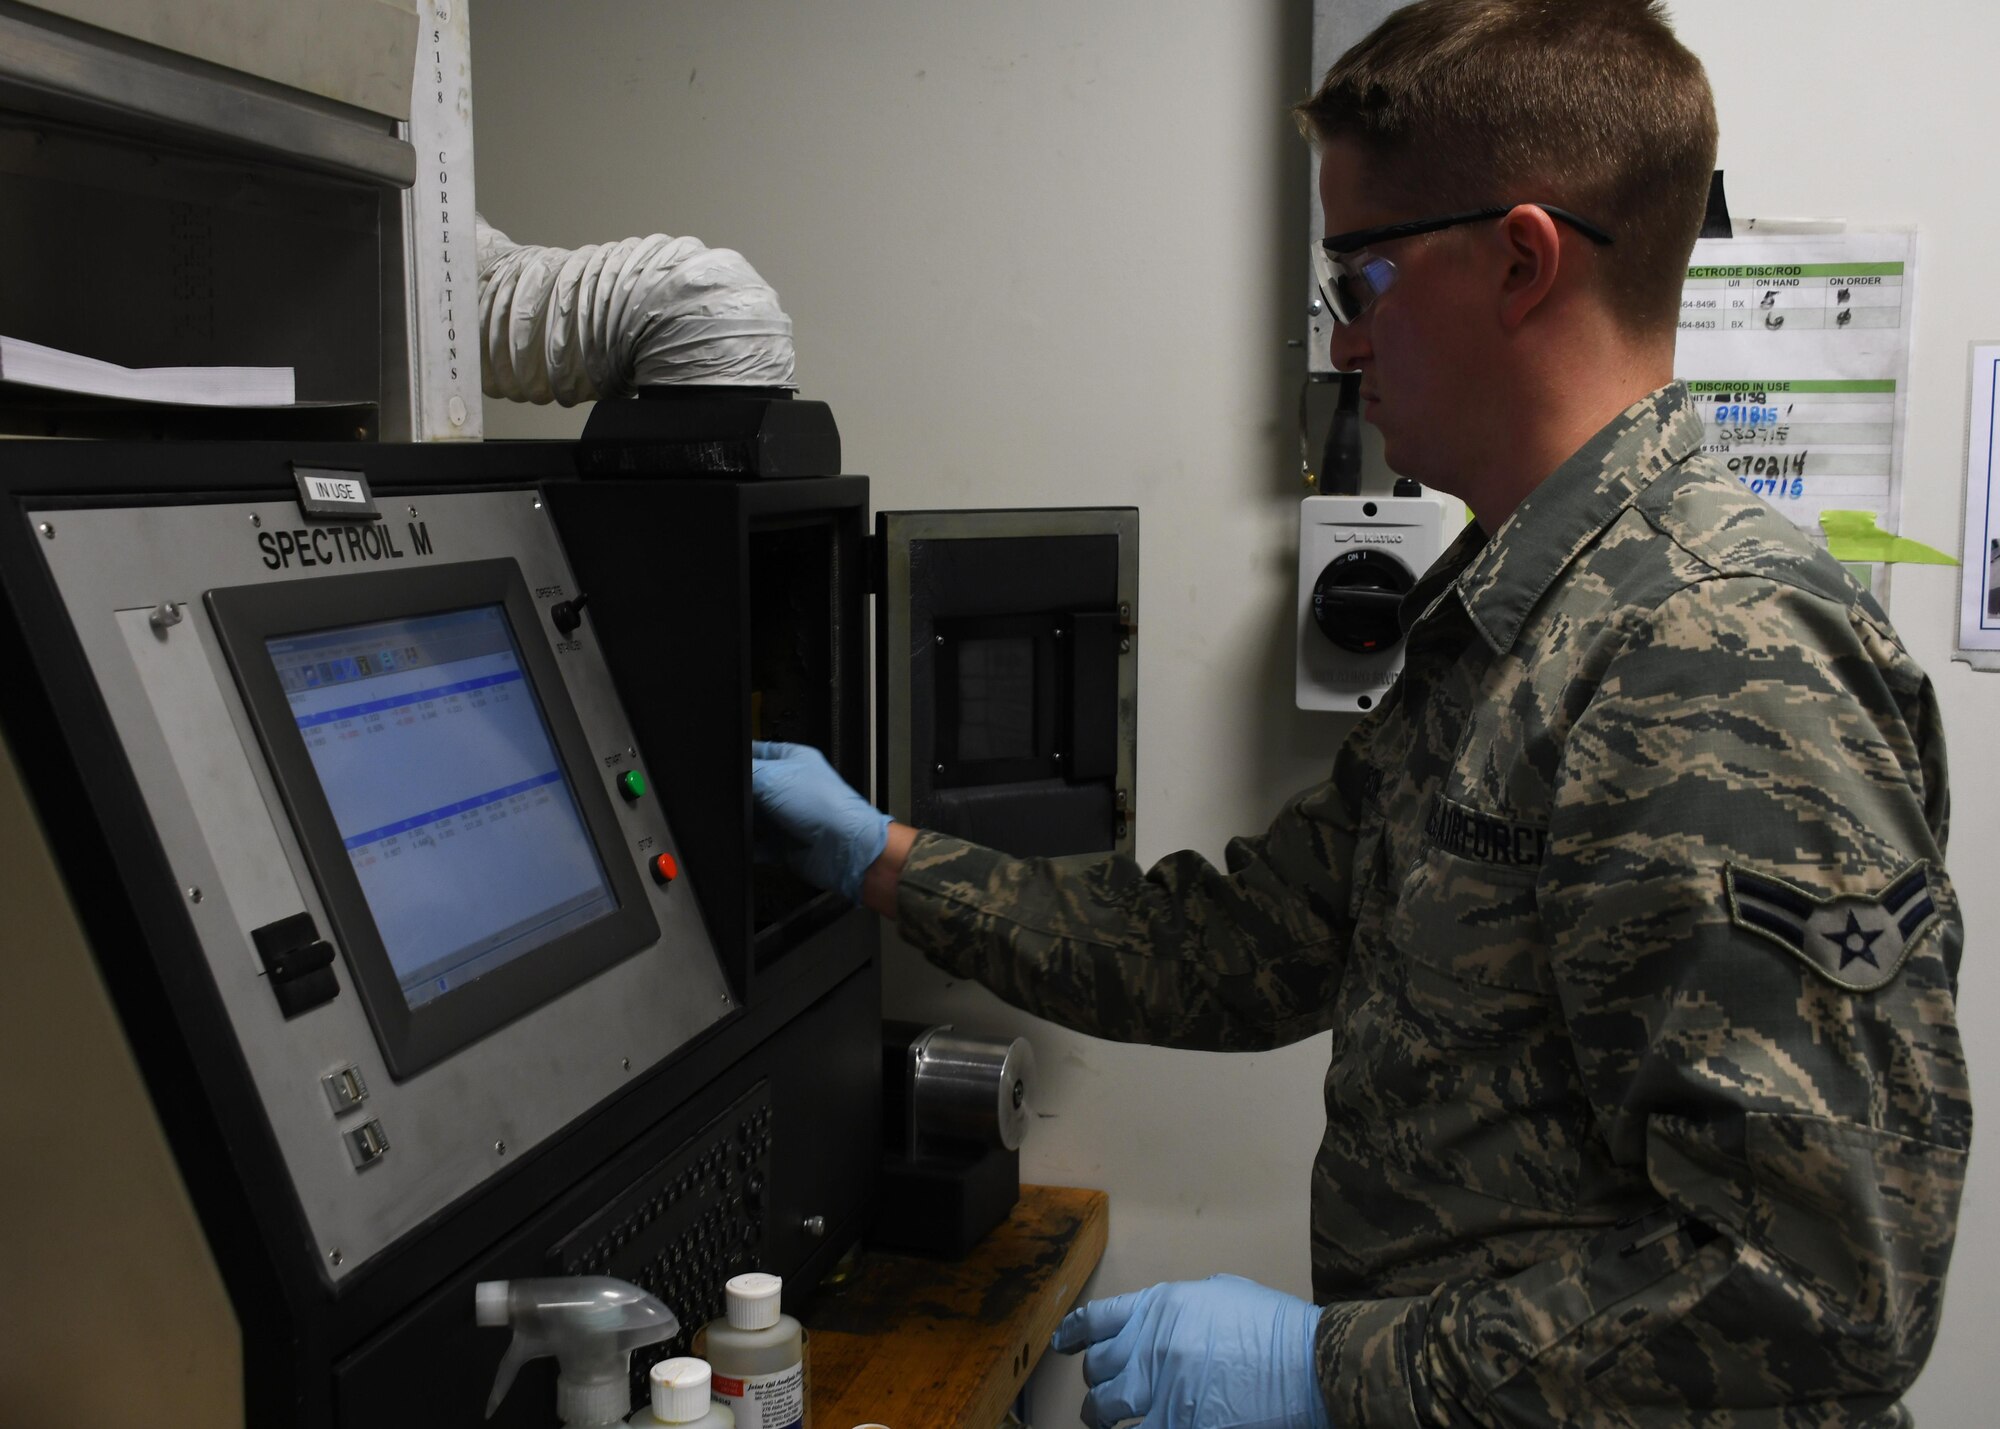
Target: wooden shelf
<point>916,1343</point>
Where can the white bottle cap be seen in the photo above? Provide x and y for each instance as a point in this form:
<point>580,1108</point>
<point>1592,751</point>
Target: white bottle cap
<point>752,1300</point>
<point>680,1390</point>
<point>489,1302</point>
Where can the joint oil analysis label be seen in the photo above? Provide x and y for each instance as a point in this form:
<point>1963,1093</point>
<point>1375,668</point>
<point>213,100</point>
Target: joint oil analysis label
<point>765,1401</point>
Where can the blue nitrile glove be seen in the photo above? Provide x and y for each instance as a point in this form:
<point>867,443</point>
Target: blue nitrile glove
<point>827,833</point>
<point>1222,1353</point>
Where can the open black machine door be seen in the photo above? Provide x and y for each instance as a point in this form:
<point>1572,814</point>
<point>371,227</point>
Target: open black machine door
<point>1006,675</point>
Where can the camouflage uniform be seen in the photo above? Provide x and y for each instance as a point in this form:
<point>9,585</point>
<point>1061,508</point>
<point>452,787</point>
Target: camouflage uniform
<point>1627,911</point>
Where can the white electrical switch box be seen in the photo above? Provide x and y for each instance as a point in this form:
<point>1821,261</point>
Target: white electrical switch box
<point>1358,557</point>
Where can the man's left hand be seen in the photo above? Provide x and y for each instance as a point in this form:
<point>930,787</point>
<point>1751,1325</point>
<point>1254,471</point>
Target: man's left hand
<point>830,834</point>
<point>1223,1353</point>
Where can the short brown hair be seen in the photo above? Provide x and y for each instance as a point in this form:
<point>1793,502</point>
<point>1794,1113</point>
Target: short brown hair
<point>1591,105</point>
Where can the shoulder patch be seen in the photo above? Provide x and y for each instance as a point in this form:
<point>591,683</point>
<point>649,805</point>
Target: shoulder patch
<point>1854,941</point>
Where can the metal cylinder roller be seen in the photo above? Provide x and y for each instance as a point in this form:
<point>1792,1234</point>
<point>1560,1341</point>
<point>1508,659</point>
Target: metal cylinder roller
<point>971,1088</point>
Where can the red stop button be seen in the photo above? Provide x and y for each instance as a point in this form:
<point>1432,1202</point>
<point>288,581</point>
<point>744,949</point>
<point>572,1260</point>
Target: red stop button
<point>665,868</point>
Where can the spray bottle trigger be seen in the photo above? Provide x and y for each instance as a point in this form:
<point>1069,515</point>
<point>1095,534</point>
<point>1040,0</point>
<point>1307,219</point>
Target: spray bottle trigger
<point>510,1365</point>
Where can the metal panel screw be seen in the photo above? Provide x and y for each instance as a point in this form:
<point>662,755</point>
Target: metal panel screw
<point>255,519</point>
<point>49,532</point>
<point>500,1148</point>
<point>413,510</point>
<point>1313,307</point>
<point>538,503</point>
<point>194,895</point>
<point>1125,647</point>
<point>335,1256</point>
<point>626,1063</point>
<point>940,769</point>
<point>940,639</point>
<point>814,1226</point>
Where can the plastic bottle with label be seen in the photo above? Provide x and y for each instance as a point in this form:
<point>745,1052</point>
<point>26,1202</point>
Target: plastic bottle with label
<point>681,1397</point>
<point>758,1356</point>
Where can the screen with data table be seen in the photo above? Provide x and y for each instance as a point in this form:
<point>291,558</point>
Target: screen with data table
<point>446,788</point>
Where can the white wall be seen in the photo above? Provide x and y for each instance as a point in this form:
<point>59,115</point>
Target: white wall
<point>1853,117</point>
<point>1044,253</point>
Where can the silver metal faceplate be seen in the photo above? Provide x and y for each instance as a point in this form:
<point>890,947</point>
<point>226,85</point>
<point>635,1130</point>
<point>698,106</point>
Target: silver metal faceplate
<point>239,865</point>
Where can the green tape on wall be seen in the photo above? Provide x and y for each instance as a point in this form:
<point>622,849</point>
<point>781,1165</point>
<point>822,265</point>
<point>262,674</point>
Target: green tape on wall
<point>1853,536</point>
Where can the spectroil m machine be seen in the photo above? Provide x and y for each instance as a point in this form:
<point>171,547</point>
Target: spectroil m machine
<point>383,909</point>
<point>383,914</point>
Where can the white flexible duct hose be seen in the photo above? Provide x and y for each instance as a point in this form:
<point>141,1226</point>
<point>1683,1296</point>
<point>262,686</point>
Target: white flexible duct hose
<point>572,325</point>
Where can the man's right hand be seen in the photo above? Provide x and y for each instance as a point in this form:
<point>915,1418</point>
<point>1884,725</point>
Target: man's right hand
<point>1221,1353</point>
<point>829,835</point>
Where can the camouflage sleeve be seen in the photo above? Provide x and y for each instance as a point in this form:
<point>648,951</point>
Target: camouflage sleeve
<point>1756,949</point>
<point>1185,955</point>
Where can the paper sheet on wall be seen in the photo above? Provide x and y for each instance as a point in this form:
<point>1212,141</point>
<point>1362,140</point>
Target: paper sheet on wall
<point>1796,349</point>
<point>1979,570</point>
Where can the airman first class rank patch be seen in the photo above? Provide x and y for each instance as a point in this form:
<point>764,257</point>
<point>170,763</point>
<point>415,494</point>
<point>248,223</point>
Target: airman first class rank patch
<point>1855,941</point>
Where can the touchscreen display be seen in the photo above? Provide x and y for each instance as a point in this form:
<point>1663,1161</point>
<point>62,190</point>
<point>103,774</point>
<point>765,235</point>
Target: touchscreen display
<point>437,763</point>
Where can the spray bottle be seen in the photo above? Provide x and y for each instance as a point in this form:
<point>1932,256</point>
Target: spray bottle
<point>590,1323</point>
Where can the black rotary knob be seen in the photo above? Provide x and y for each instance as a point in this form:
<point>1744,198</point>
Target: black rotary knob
<point>1356,599</point>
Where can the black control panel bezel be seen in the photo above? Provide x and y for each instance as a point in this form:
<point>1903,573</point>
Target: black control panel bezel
<point>412,1039</point>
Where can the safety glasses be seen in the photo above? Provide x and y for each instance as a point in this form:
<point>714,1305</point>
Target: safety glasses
<point>1351,278</point>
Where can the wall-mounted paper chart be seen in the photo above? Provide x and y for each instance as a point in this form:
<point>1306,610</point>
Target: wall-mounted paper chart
<point>1795,347</point>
